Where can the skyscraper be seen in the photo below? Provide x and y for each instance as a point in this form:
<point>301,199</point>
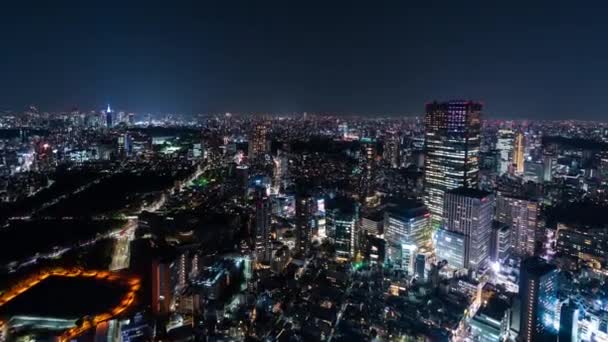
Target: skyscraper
<point>518,153</point>
<point>161,287</point>
<point>109,121</point>
<point>279,172</point>
<point>406,231</point>
<point>538,294</point>
<point>391,149</point>
<point>500,242</point>
<point>342,216</point>
<point>263,211</point>
<point>305,210</point>
<point>469,212</point>
<point>367,156</point>
<point>257,141</point>
<point>568,323</point>
<point>452,145</point>
<point>504,145</point>
<point>548,162</point>
<point>521,214</point>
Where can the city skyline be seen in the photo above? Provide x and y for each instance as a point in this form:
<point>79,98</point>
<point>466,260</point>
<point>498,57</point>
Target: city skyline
<point>279,171</point>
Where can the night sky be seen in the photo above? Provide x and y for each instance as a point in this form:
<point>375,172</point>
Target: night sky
<point>546,61</point>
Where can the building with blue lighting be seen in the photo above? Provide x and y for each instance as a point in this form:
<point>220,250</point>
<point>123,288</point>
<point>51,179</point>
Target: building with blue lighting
<point>538,293</point>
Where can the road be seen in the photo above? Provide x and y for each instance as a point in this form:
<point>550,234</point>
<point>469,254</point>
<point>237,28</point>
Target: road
<point>122,252</point>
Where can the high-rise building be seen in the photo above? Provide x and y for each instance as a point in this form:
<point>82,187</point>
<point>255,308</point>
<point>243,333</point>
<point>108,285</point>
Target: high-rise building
<point>109,117</point>
<point>343,130</point>
<point>500,242</point>
<point>450,246</point>
<point>391,149</point>
<point>242,177</point>
<point>131,119</point>
<point>257,141</point>
<point>373,249</point>
<point>452,147</point>
<point>305,211</point>
<point>279,172</point>
<point>504,145</point>
<point>583,242</point>
<point>568,323</point>
<point>518,153</point>
<point>406,231</point>
<point>342,216</point>
<point>548,163</point>
<point>372,223</point>
<point>603,169</point>
<point>521,214</point>
<point>538,294</point>
<point>161,287</point>
<point>421,267</point>
<point>469,212</point>
<point>125,145</point>
<point>367,158</point>
<point>263,210</point>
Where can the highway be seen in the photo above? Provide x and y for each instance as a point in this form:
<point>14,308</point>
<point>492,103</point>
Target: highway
<point>122,253</point>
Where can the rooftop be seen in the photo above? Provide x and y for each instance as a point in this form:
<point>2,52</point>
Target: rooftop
<point>537,266</point>
<point>470,192</point>
<point>495,308</point>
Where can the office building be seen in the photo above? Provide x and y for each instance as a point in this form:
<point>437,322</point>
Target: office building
<point>257,141</point>
<point>392,146</point>
<point>450,246</point>
<point>372,223</point>
<point>504,146</point>
<point>242,177</point>
<point>421,267</point>
<point>538,294</point>
<point>568,323</point>
<point>518,153</point>
<point>500,242</point>
<point>521,214</point>
<point>161,287</point>
<point>585,243</point>
<point>548,165</point>
<point>406,230</point>
<point>367,160</point>
<point>109,117</point>
<point>305,211</point>
<point>263,210</point>
<point>452,146</point>
<point>469,212</point>
<point>341,221</point>
<point>373,249</point>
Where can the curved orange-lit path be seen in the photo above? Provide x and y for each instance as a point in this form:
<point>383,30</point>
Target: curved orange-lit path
<point>133,283</point>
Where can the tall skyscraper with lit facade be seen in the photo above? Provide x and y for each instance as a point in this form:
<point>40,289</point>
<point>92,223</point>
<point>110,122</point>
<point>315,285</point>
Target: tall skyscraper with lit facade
<point>342,217</point>
<point>305,211</point>
<point>367,159</point>
<point>504,145</point>
<point>468,212</point>
<point>109,117</point>
<point>518,153</point>
<point>452,146</point>
<point>263,210</point>
<point>521,214</point>
<point>257,141</point>
<point>538,294</point>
